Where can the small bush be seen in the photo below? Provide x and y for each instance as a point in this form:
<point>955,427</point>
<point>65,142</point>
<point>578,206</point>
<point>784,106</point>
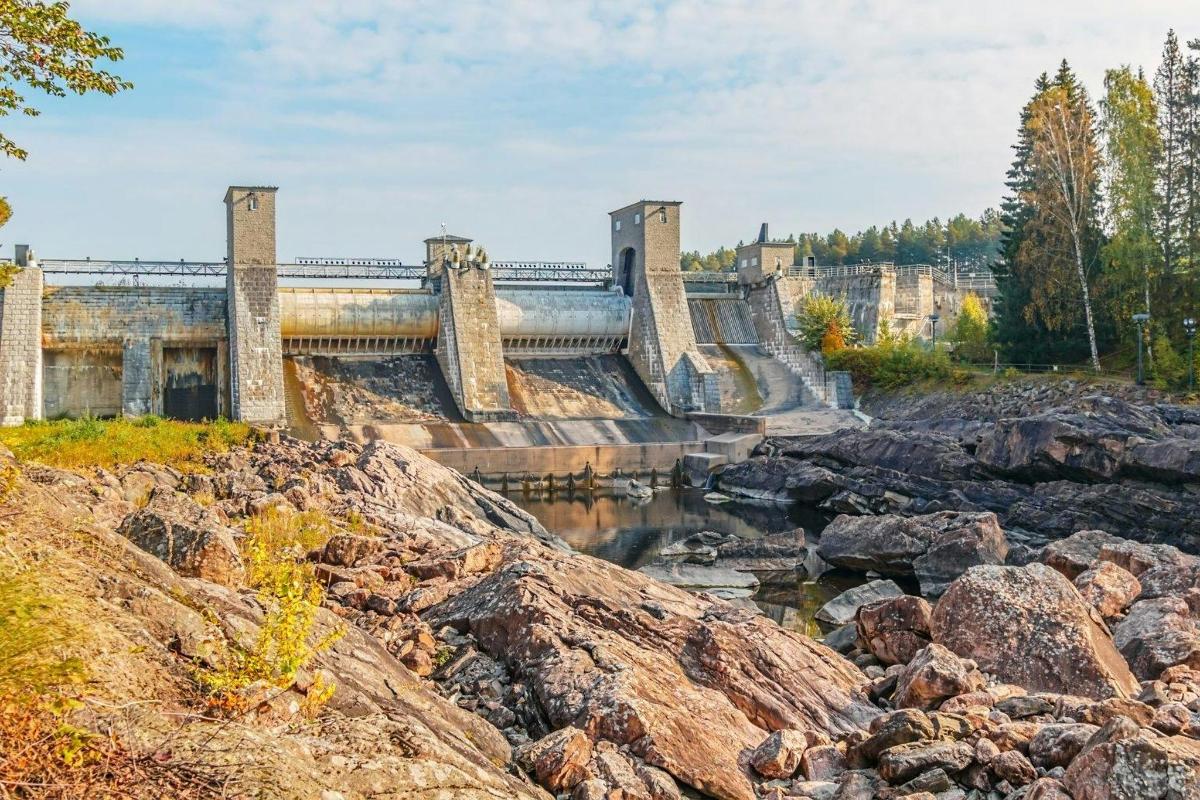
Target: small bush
<point>1169,368</point>
<point>90,442</point>
<point>825,324</point>
<point>970,332</point>
<point>287,586</point>
<point>890,365</point>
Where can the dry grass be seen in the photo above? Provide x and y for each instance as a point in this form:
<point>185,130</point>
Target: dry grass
<point>82,443</point>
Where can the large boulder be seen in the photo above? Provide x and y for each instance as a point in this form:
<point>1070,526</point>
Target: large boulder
<point>1108,588</point>
<point>187,536</point>
<point>1160,633</point>
<point>1137,768</point>
<point>842,609</point>
<point>936,548</point>
<point>560,759</point>
<point>896,629</point>
<point>618,655</point>
<point>1029,626</point>
<point>1087,445</point>
<point>934,675</point>
<point>1075,554</point>
<point>779,755</point>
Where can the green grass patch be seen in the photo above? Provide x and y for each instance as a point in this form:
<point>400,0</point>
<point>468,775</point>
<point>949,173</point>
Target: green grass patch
<point>89,442</point>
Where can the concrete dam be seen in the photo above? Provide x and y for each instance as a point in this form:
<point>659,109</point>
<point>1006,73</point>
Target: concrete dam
<point>493,367</point>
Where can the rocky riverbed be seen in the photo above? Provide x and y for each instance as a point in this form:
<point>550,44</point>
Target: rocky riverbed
<point>1049,460</point>
<point>482,658</point>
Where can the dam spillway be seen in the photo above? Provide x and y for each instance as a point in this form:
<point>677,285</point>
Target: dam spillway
<point>468,355</point>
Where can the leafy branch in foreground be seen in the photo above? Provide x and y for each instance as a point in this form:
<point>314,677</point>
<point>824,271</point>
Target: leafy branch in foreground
<point>43,48</point>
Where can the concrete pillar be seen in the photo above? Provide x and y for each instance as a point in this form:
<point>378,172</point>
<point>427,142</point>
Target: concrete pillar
<point>21,345</point>
<point>252,298</point>
<point>469,350</point>
<point>136,377</point>
<point>662,343</point>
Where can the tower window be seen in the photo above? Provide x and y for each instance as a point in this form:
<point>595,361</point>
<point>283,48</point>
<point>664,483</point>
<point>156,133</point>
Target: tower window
<point>252,202</point>
<point>754,261</point>
<point>662,216</point>
<point>637,219</point>
<point>618,225</point>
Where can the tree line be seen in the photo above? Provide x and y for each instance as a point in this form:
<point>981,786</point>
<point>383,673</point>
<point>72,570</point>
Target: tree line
<point>961,240</point>
<point>1101,220</point>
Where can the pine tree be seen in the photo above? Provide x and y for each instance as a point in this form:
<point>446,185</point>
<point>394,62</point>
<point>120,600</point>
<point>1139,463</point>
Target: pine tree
<point>1191,165</point>
<point>1170,90</point>
<point>1013,288</point>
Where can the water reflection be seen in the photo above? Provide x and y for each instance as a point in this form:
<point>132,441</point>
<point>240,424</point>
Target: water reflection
<point>631,533</point>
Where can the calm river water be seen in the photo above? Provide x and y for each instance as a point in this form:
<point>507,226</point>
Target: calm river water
<point>631,532</point>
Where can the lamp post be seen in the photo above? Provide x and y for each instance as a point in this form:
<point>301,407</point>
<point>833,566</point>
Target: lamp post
<point>1140,320</point>
<point>933,321</point>
<point>1189,328</point>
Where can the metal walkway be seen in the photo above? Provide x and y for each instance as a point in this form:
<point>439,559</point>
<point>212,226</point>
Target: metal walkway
<point>334,268</point>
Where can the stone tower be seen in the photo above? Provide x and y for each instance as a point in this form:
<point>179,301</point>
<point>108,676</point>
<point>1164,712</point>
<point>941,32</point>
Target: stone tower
<point>662,344</point>
<point>438,250</point>
<point>762,258</point>
<point>251,283</point>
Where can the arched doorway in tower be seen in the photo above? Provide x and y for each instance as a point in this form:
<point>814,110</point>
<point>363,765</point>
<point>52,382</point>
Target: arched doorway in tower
<point>625,270</point>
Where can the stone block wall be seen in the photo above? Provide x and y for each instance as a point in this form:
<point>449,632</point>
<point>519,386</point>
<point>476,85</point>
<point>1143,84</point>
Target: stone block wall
<point>255,345</point>
<point>645,246</point>
<point>252,297</point>
<point>469,349</point>
<point>21,348</point>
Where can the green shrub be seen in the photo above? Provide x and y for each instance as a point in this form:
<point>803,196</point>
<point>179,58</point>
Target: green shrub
<point>891,365</point>
<point>970,332</point>
<point>1168,368</point>
<point>825,324</point>
<point>287,586</point>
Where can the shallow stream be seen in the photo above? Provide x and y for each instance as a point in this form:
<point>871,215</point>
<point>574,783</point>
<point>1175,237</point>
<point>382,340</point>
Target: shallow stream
<point>631,532</point>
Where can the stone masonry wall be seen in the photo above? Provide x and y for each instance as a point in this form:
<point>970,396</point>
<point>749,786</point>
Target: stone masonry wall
<point>21,348</point>
<point>251,283</point>
<point>470,351</point>
<point>255,345</point>
<point>661,328</point>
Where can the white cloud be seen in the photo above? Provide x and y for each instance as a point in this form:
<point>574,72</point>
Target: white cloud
<point>379,119</point>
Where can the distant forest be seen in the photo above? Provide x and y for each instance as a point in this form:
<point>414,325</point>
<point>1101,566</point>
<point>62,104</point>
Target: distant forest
<point>963,240</point>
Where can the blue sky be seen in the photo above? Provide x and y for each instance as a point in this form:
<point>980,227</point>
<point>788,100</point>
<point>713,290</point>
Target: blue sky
<point>523,123</point>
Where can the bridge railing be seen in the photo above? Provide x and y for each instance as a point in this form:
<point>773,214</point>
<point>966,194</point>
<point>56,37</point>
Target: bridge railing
<point>331,268</point>
<point>976,280</point>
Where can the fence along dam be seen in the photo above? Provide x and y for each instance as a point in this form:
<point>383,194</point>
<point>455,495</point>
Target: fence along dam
<point>501,368</point>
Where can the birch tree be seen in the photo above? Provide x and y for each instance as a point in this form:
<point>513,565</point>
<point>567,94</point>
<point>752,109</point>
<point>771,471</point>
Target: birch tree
<point>1132,151</point>
<point>1063,193</point>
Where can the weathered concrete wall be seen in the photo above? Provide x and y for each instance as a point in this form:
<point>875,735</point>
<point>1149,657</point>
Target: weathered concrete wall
<point>20,348</point>
<point>469,349</point>
<point>136,322</point>
<point>563,460</point>
<point>82,382</point>
<point>662,344</point>
<point>251,286</point>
